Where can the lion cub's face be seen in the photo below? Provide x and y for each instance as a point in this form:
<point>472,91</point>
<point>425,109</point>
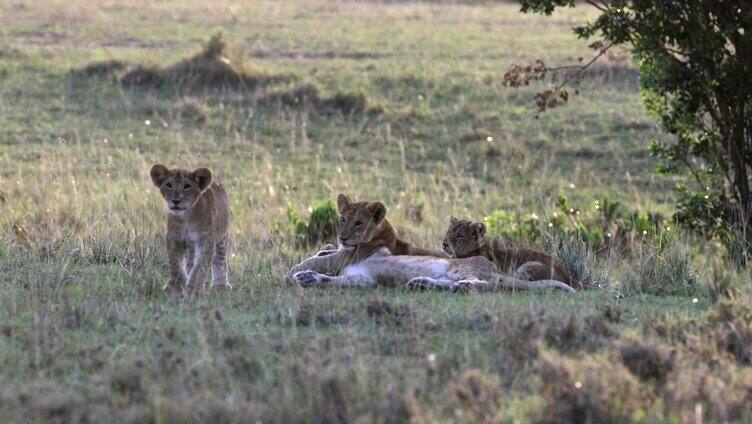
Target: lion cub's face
<point>179,187</point>
<point>360,221</point>
<point>463,238</point>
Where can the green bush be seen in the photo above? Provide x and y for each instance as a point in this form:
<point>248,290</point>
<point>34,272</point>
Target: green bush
<point>322,225</point>
<point>598,226</point>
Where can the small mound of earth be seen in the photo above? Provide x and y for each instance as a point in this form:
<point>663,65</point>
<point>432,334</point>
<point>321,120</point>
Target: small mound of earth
<point>104,68</point>
<point>214,66</point>
<point>308,95</point>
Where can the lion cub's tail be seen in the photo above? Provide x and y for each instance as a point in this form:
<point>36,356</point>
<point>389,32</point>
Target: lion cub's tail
<point>515,283</point>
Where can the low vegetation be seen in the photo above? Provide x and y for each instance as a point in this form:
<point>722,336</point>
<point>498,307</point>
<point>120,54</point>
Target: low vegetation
<point>288,109</point>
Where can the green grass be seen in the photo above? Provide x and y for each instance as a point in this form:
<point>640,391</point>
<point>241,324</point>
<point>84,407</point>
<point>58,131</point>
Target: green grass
<point>86,334</point>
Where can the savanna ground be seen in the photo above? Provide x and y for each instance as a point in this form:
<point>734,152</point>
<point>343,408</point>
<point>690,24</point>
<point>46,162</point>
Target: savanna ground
<point>396,102</point>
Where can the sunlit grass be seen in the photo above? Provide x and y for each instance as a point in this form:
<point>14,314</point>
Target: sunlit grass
<point>85,332</point>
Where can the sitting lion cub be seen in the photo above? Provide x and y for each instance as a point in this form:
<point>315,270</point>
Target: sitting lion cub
<point>465,239</point>
<point>197,226</point>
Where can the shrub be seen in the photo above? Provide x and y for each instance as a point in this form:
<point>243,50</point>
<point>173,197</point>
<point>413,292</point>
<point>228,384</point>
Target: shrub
<point>322,225</point>
<point>732,322</point>
<point>579,260</point>
<point>603,224</point>
<point>479,394</point>
<point>661,269</point>
<point>588,389</point>
<point>691,80</point>
<point>647,361</point>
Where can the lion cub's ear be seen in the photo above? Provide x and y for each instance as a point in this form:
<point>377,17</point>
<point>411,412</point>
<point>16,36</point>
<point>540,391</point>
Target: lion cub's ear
<point>343,202</point>
<point>479,229</point>
<point>377,211</point>
<point>202,177</point>
<point>453,220</point>
<point>159,174</point>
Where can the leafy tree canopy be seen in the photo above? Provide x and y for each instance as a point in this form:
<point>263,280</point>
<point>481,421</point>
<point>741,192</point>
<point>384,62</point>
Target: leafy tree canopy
<point>695,66</point>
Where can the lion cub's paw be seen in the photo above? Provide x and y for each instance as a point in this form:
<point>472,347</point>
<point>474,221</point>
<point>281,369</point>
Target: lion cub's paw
<point>195,290</point>
<point>464,286</point>
<point>306,278</point>
<point>421,283</point>
<point>220,287</point>
<point>175,285</point>
<point>328,249</point>
<point>325,253</point>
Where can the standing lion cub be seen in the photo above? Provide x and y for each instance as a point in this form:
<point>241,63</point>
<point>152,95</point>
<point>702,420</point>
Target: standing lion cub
<point>198,221</point>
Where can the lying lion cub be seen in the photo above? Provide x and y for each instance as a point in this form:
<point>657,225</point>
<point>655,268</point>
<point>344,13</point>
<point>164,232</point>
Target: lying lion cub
<point>423,272</point>
<point>363,231</point>
<point>364,259</point>
<point>464,239</point>
<point>197,226</point>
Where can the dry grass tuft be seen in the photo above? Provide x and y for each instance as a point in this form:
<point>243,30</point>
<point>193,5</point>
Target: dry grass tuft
<point>649,362</point>
<point>313,314</point>
<point>479,394</point>
<point>662,268</point>
<point>732,322</point>
<point>588,389</point>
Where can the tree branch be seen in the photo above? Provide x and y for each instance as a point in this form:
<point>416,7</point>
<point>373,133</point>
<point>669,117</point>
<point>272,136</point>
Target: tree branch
<point>576,74</point>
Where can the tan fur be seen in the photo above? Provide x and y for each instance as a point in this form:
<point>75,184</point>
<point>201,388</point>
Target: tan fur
<point>465,239</point>
<point>374,229</point>
<point>363,230</point>
<point>365,259</point>
<point>197,228</point>
<point>422,272</point>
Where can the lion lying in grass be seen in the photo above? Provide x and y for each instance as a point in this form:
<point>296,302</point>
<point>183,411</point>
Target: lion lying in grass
<point>363,231</point>
<point>465,239</point>
<point>365,259</point>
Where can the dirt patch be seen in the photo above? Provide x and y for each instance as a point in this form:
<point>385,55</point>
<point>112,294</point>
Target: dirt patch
<point>310,314</point>
<point>190,109</point>
<point>10,52</point>
<point>590,153</point>
<point>473,137</point>
<point>381,308</point>
<point>308,96</point>
<point>187,109</point>
<point>128,381</point>
<point>107,68</point>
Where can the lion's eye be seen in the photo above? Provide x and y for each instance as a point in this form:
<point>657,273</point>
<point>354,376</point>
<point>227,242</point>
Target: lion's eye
<point>358,223</point>
<point>168,185</point>
<point>187,187</point>
<point>343,219</point>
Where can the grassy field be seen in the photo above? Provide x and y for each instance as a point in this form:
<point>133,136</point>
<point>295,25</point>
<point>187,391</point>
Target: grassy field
<point>394,102</point>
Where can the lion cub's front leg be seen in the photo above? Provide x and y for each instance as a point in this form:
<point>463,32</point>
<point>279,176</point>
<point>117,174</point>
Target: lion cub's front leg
<point>176,253</point>
<point>203,253</point>
<point>313,278</point>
